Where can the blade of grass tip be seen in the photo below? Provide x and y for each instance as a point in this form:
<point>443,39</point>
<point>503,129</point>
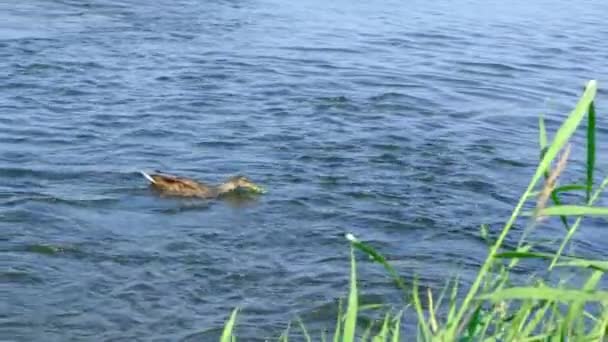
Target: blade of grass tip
<point>577,307</point>
<point>420,313</point>
<point>590,148</point>
<point>574,228</point>
<point>574,210</point>
<point>538,338</point>
<point>383,334</point>
<point>561,138</point>
<point>555,198</point>
<point>351,312</point>
<point>570,187</point>
<point>442,294</point>
<point>368,331</point>
<point>379,258</point>
<point>563,188</point>
<point>599,265</point>
<point>323,336</point>
<point>521,249</point>
<point>285,335</point>
<point>397,327</point>
<point>524,255</point>
<point>569,126</point>
<point>473,323</point>
<point>545,293</point>
<point>227,333</point>
<point>600,327</point>
<point>552,325</point>
<point>589,316</point>
<point>304,331</point>
<point>432,318</point>
<point>484,328</point>
<point>517,324</point>
<point>542,137</point>
<point>538,316</point>
<point>370,307</point>
<point>452,305</point>
<point>338,322</point>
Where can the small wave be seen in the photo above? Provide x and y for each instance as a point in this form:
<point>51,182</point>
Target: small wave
<point>61,174</point>
<point>19,199</point>
<point>492,66</point>
<point>322,49</point>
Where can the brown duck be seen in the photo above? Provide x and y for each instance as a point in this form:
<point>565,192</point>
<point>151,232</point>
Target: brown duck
<point>185,187</point>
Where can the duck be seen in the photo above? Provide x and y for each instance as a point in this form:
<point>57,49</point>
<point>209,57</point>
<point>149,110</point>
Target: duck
<point>172,185</point>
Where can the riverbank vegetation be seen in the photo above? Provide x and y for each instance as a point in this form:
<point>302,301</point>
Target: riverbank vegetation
<point>494,307</point>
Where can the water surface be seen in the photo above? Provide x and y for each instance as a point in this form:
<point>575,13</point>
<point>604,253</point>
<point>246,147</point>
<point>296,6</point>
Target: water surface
<point>408,124</point>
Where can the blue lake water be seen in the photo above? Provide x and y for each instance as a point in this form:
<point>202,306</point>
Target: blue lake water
<point>409,124</point>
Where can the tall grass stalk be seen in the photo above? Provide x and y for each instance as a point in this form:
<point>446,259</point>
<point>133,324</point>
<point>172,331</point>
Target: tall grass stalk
<point>492,308</point>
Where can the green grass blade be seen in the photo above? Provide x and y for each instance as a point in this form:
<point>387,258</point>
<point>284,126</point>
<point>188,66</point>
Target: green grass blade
<point>368,331</point>
<point>570,261</point>
<point>519,320</point>
<point>598,265</point>
<point>379,258</point>
<point>338,323</point>
<point>383,334</point>
<point>556,201</point>
<point>474,323</point>
<point>285,335</point>
<point>397,327</point>
<point>370,307</point>
<point>590,149</point>
<point>432,317</point>
<point>546,293</point>
<point>570,188</point>
<point>304,331</point>
<point>227,333</point>
<point>576,224</point>
<point>569,126</point>
<point>574,210</point>
<point>452,305</point>
<point>542,136</point>
<point>486,320</point>
<point>563,189</point>
<point>439,301</point>
<point>561,138</point>
<point>524,255</point>
<point>575,311</point>
<point>599,331</point>
<point>538,338</point>
<point>538,316</point>
<point>350,322</point>
<point>426,332</point>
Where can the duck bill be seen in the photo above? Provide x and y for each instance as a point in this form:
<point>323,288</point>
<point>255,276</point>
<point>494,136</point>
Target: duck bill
<point>258,189</point>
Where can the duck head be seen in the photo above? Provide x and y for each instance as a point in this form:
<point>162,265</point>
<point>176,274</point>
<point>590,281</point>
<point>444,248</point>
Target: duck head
<point>240,182</point>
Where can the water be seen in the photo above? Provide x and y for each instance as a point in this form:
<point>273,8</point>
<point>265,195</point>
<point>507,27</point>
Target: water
<point>407,124</point>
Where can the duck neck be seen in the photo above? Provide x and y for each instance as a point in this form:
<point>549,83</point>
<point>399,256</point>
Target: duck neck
<point>224,188</point>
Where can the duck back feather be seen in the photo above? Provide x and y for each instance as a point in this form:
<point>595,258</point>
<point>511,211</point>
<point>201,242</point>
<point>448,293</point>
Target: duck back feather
<point>179,186</point>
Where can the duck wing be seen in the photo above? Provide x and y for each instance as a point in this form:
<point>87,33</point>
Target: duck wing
<point>178,185</point>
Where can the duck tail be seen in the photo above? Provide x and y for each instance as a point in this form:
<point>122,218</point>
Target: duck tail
<point>148,177</point>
